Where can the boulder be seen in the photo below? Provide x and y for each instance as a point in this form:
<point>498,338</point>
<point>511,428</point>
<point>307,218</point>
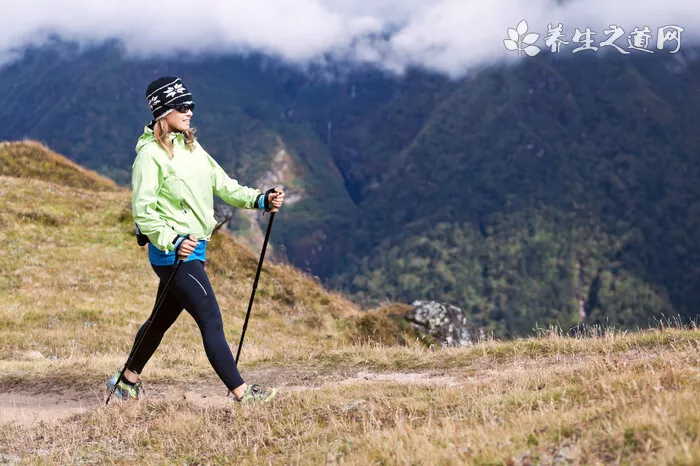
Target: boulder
<point>445,323</point>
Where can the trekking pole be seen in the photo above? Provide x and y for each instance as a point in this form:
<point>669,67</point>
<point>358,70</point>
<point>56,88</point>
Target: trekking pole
<point>255,286</point>
<point>159,302</point>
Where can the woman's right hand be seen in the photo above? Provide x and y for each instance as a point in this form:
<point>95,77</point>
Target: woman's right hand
<point>187,247</point>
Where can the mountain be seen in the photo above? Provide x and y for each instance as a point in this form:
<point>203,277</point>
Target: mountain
<point>558,192</point>
<point>555,192</point>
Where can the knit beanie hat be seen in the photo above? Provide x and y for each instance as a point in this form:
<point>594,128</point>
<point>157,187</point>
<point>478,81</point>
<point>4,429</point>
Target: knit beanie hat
<point>166,93</point>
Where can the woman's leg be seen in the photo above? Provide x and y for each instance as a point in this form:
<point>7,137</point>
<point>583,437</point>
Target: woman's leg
<point>167,314</point>
<point>194,291</point>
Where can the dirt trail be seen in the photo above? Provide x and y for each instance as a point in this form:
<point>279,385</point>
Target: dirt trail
<point>27,408</point>
<point>27,405</point>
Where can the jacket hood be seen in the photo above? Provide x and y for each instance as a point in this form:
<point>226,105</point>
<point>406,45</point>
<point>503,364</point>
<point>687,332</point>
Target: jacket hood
<point>145,138</point>
<point>149,136</point>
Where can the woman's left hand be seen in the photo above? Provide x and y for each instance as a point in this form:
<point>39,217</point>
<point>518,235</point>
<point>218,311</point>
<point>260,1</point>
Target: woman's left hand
<point>276,199</point>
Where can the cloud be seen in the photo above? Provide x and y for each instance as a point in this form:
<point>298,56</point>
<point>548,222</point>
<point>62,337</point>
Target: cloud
<point>450,36</point>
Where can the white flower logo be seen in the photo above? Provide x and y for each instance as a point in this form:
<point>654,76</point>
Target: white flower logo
<point>176,89</point>
<point>153,101</point>
<point>521,41</point>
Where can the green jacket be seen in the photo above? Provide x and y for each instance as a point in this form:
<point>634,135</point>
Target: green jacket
<point>175,197</point>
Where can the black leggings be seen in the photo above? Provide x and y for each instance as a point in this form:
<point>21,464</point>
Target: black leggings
<point>190,289</point>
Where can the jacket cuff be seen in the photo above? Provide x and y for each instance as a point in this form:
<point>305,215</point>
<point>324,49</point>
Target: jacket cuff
<point>266,197</point>
<point>178,240</point>
<point>173,245</point>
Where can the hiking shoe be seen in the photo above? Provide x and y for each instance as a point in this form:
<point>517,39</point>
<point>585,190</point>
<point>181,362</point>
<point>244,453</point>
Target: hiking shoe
<point>254,393</point>
<point>123,390</point>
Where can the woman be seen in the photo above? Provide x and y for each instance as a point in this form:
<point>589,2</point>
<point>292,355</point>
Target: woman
<point>173,183</point>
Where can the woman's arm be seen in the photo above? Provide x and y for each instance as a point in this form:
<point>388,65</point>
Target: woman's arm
<point>229,190</point>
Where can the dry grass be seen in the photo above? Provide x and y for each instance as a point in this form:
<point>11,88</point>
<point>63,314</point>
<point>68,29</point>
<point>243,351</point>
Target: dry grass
<point>631,399</point>
<point>74,287</point>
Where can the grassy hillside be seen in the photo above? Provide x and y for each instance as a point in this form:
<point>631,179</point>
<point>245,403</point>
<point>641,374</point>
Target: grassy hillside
<point>72,260</point>
<point>31,159</point>
<point>75,287</point>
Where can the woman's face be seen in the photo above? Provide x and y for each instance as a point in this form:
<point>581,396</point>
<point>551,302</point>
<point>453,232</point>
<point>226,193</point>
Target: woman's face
<point>178,121</point>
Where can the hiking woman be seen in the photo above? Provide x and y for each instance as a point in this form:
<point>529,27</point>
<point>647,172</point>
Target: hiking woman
<point>173,182</point>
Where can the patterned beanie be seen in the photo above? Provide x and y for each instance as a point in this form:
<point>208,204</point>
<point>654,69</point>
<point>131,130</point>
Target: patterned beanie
<point>166,93</point>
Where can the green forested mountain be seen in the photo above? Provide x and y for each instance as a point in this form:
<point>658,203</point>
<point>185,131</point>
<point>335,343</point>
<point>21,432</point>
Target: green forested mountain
<point>545,193</point>
<point>555,191</point>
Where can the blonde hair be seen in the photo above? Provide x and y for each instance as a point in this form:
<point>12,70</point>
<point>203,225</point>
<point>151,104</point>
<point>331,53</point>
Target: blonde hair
<point>161,130</point>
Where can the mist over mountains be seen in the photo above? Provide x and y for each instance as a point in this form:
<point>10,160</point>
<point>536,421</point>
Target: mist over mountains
<point>451,37</point>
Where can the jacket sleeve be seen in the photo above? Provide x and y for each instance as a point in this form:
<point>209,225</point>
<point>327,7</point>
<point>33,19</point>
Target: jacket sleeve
<point>145,183</point>
<point>229,190</point>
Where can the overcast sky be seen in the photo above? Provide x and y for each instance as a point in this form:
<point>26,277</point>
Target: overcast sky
<point>451,36</point>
